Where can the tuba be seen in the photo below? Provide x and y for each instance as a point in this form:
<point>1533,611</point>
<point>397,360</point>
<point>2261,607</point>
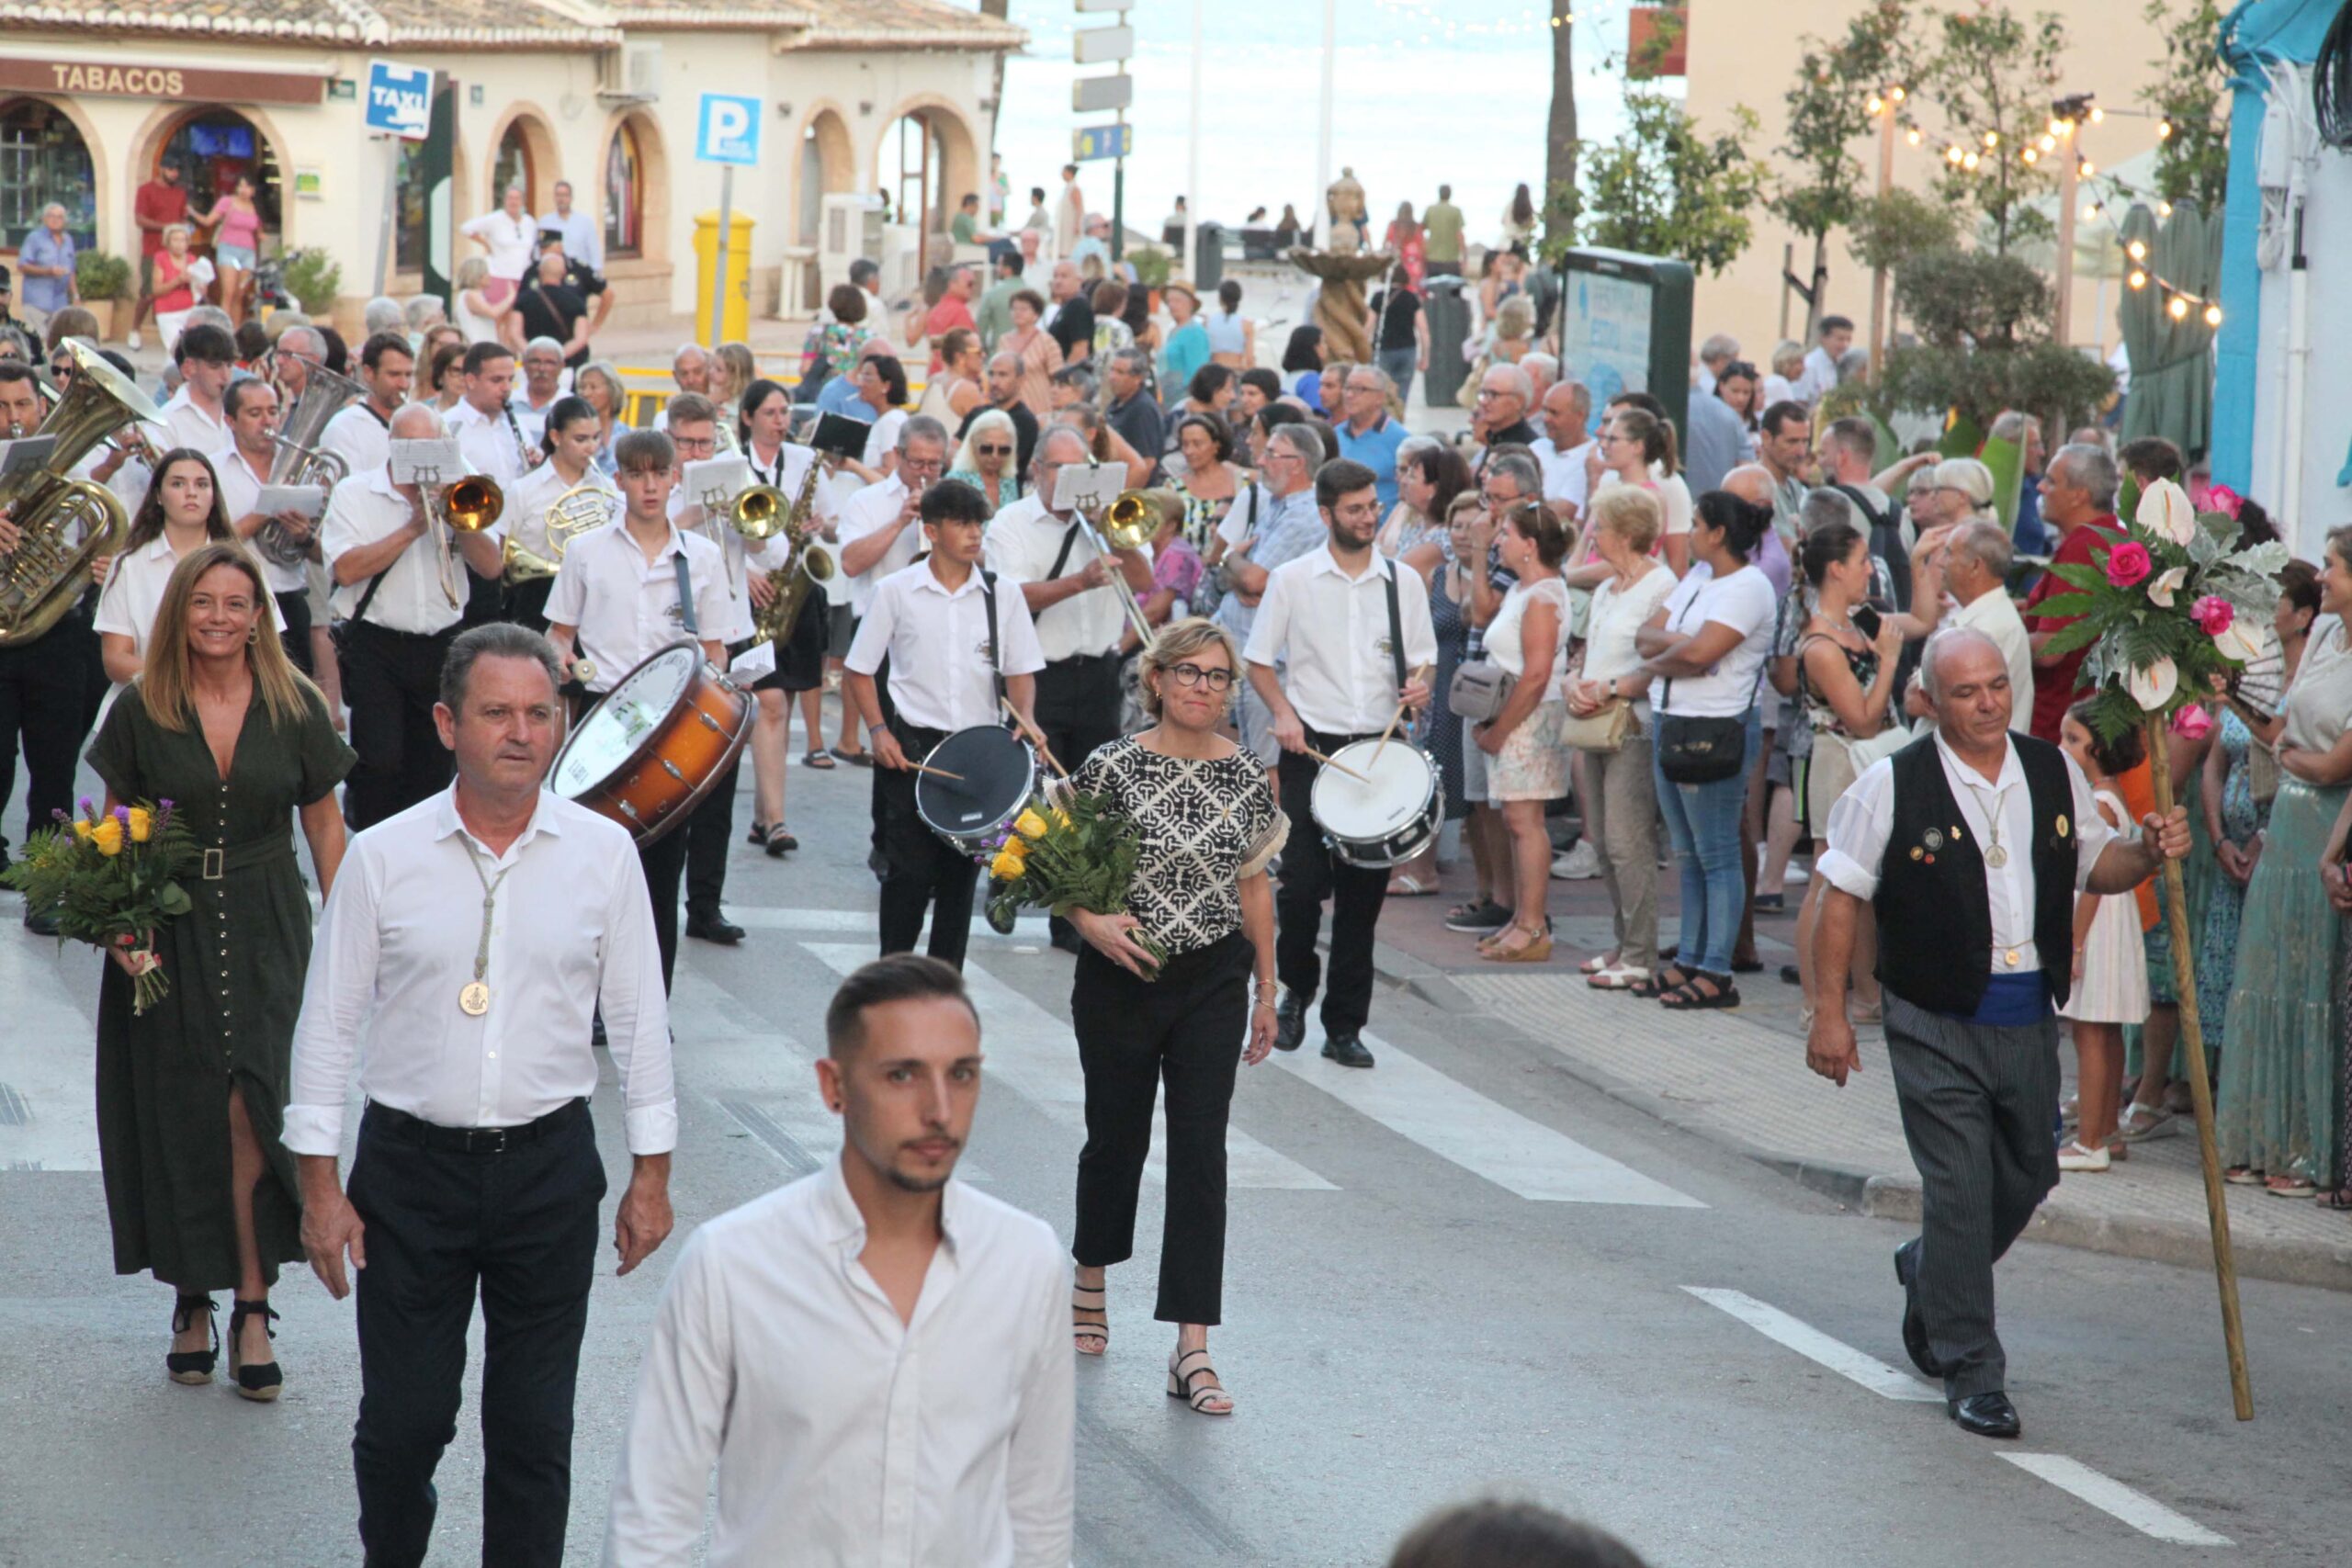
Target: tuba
<point>583,507</point>
<point>811,563</point>
<point>46,572</point>
<point>300,460</point>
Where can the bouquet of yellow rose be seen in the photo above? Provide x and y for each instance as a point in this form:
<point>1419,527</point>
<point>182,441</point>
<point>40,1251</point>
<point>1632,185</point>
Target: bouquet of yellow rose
<point>1066,853</point>
<point>113,878</point>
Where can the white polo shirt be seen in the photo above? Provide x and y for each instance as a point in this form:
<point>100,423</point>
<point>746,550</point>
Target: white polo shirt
<point>414,596</point>
<point>1023,540</point>
<point>134,592</point>
<point>870,509</point>
<point>360,437</point>
<point>937,643</point>
<point>240,493</point>
<point>738,557</point>
<point>491,446</point>
<point>1332,631</point>
<point>627,608</point>
<point>190,426</point>
<point>525,521</point>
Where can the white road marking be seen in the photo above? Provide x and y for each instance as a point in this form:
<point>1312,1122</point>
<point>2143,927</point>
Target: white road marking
<point>2139,1510</point>
<point>48,1112</point>
<point>1415,1100</point>
<point>860,922</point>
<point>1034,1053</point>
<point>1816,1346</point>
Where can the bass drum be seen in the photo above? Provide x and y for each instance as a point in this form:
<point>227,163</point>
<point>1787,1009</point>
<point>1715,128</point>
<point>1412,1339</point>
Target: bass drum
<point>1389,815</point>
<point>647,753</point>
<point>997,776</point>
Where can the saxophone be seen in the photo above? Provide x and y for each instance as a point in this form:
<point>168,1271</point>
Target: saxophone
<point>811,564</point>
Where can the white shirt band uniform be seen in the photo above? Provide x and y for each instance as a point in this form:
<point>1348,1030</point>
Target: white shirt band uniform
<point>938,645</point>
<point>1332,632</point>
<point>627,608</point>
<point>491,444</point>
<point>191,427</point>
<point>871,509</point>
<point>1023,542</point>
<point>415,593</point>
<point>240,494</point>
<point>359,436</point>
<point>525,521</point>
<point>134,592</point>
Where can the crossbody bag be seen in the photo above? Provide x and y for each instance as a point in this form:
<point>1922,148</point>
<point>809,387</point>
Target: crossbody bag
<point>1696,748</point>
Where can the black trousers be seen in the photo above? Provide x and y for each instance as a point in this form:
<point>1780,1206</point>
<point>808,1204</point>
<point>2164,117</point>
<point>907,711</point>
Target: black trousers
<point>709,835</point>
<point>390,682</point>
<point>1077,710</point>
<point>919,870</point>
<point>526,604</point>
<point>294,609</point>
<point>1311,874</point>
<point>664,861</point>
<point>1187,1028</point>
<point>42,711</point>
<point>520,1227</point>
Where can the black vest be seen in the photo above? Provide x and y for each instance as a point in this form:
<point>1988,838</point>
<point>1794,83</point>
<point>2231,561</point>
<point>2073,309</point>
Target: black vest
<point>1935,920</point>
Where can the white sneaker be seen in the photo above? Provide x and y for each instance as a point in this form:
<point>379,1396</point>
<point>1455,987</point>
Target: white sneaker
<point>1797,873</point>
<point>1580,864</point>
<point>137,343</point>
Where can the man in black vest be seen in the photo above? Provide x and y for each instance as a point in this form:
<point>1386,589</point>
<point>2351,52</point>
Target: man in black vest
<point>1971,846</point>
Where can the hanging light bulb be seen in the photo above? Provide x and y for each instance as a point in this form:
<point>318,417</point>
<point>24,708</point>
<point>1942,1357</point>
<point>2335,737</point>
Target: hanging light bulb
<point>1899,93</point>
<point>1969,162</point>
<point>1912,136</point>
<point>2050,144</point>
<point>2086,169</point>
<point>2212,315</point>
<point>2163,131</point>
<point>2164,209</point>
<point>2057,126</point>
<point>2137,280</point>
<point>2176,308</point>
<point>1876,106</point>
<point>1992,138</point>
<point>2137,250</point>
<point>1953,155</point>
<point>2097,113</point>
<point>2031,156</point>
<point>2090,210</point>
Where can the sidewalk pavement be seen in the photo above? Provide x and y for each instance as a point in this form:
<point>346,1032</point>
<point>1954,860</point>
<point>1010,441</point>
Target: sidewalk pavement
<point>1737,1077</point>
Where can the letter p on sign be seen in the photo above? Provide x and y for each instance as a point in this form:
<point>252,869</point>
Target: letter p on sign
<point>727,130</point>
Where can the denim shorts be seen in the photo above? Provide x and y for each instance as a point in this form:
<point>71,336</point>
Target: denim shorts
<point>239,257</point>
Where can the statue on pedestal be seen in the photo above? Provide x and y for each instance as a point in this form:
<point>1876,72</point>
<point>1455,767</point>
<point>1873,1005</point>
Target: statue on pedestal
<point>1339,306</point>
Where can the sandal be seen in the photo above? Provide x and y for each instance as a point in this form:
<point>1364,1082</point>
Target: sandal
<point>780,843</point>
<point>1618,977</point>
<point>758,836</point>
<point>2338,1200</point>
<point>2074,1156</point>
<point>1667,977</point>
<point>1689,997</point>
<point>1206,1399</point>
<point>193,1366</point>
<point>1405,885</point>
<point>1099,1329</point>
<point>2143,1121</point>
<point>861,757</point>
<point>2289,1187</point>
<point>1536,948</point>
<point>1596,964</point>
<point>2243,1176</point>
<point>258,1381</point>
<point>813,758</point>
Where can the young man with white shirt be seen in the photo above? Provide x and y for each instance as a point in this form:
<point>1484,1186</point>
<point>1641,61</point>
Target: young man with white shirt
<point>959,645</point>
<point>1355,647</point>
<point>360,433</point>
<point>465,943</point>
<point>400,599</point>
<point>1821,374</point>
<point>242,469</point>
<point>485,423</point>
<point>628,590</point>
<point>873,1356</point>
<point>207,356</point>
<point>584,237</point>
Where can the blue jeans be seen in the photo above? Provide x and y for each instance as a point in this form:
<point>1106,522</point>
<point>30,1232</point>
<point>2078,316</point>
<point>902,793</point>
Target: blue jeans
<point>1702,820</point>
<point>1398,365</point>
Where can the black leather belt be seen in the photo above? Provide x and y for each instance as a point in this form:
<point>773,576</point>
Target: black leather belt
<point>474,1140</point>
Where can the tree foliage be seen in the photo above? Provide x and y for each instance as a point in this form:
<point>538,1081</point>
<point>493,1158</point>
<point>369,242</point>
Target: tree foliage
<point>1983,327</point>
<point>1890,229</point>
<point>1993,75</point>
<point>1825,184</point>
<point>1667,187</point>
<point>2191,95</point>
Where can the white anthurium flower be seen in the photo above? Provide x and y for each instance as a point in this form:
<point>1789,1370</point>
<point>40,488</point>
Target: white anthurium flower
<point>2239,641</point>
<point>2165,513</point>
<point>2152,688</point>
<point>2161,591</point>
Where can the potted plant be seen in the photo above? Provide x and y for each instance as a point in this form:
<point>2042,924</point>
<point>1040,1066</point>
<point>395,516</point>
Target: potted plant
<point>315,279</point>
<point>104,282</point>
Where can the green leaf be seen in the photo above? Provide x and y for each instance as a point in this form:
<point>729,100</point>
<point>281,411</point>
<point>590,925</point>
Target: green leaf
<point>2059,606</point>
<point>2065,639</point>
<point>2261,560</point>
<point>173,899</point>
<point>2082,575</point>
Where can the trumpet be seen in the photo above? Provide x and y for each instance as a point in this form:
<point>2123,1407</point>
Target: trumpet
<point>467,505</point>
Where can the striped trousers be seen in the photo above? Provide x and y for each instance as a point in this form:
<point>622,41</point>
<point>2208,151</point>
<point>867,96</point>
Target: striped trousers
<point>1980,1104</point>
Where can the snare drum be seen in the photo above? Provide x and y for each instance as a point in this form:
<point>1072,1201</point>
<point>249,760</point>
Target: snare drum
<point>998,775</point>
<point>647,753</point>
<point>1383,822</point>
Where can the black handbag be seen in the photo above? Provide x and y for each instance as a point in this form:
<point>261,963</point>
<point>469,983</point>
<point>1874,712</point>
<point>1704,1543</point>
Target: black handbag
<point>1693,749</point>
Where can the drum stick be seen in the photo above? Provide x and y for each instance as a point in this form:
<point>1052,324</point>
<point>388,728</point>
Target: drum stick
<point>1393,721</point>
<point>935,773</point>
<point>1340,766</point>
<point>1034,739</point>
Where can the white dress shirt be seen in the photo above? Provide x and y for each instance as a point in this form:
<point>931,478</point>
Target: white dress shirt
<point>1332,631</point>
<point>573,932</point>
<point>739,559</point>
<point>240,494</point>
<point>134,592</point>
<point>584,237</point>
<point>489,444</point>
<point>842,1434</point>
<point>937,643</point>
<point>525,521</point>
<point>416,595</point>
<point>359,436</point>
<point>625,608</point>
<point>191,427</point>
<point>1564,472</point>
<point>1994,614</point>
<point>1863,820</point>
<point>869,510</point>
<point>1021,542</point>
<point>509,239</point>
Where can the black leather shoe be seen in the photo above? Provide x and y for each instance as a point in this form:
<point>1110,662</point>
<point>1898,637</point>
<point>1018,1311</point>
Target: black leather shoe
<point>1987,1414</point>
<point>1915,1327</point>
<point>714,926</point>
<point>1290,1025</point>
<point>1348,1050</point>
<point>41,923</point>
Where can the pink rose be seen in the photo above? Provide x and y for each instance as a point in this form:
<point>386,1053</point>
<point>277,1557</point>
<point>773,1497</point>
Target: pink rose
<point>2128,563</point>
<point>2192,723</point>
<point>2213,615</point>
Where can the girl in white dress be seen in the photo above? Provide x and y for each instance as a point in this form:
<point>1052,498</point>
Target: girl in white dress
<point>2110,965</point>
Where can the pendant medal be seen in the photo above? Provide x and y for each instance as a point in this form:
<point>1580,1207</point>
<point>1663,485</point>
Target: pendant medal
<point>474,1001</point>
<point>1997,856</point>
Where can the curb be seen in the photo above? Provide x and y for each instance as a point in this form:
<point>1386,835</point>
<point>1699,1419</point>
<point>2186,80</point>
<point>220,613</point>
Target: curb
<point>1895,1196</point>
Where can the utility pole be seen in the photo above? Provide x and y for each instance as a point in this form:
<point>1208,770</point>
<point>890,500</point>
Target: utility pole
<point>1883,106</point>
<point>2067,116</point>
<point>1188,266</point>
<point>1322,224</point>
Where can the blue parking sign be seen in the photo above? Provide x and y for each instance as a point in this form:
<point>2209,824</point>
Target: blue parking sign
<point>399,100</point>
<point>728,131</point>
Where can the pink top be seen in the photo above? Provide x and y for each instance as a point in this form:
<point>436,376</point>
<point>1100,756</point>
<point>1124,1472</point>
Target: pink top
<point>239,226</point>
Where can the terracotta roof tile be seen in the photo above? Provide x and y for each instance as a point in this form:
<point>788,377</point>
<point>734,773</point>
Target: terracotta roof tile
<point>451,23</point>
<point>906,24</point>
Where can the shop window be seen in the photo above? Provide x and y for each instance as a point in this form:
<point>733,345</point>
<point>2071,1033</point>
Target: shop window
<point>624,195</point>
<point>215,147</point>
<point>42,160</point>
<point>409,241</point>
<point>915,196</point>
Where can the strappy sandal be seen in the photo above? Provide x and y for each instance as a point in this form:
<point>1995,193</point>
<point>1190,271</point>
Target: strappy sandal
<point>254,1380</point>
<point>817,760</point>
<point>1536,948</point>
<point>193,1366</point>
<point>1667,977</point>
<point>758,836</point>
<point>1081,1330</point>
<point>2336,1200</point>
<point>1202,1399</point>
<point>1689,997</point>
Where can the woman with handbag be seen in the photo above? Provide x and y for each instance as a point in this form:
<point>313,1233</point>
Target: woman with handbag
<point>1708,642</point>
<point>1609,727</point>
<point>1525,642</point>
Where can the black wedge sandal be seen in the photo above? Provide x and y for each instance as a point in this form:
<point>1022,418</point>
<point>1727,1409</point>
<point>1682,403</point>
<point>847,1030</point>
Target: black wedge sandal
<point>193,1366</point>
<point>255,1379</point>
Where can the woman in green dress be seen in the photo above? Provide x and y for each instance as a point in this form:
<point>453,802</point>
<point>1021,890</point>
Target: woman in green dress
<point>191,1092</point>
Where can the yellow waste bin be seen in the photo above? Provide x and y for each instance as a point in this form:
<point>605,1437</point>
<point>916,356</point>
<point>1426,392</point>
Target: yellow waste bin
<point>736,320</point>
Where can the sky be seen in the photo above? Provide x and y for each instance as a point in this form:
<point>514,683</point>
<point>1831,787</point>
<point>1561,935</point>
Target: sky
<point>1427,92</point>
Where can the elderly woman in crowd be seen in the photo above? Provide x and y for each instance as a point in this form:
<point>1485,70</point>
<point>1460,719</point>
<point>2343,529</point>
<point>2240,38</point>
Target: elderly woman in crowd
<point>1963,491</point>
<point>600,383</point>
<point>985,458</point>
<point>1527,638</point>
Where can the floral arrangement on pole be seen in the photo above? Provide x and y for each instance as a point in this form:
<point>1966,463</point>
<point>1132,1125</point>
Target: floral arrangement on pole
<point>113,878</point>
<point>1064,853</point>
<point>2174,605</point>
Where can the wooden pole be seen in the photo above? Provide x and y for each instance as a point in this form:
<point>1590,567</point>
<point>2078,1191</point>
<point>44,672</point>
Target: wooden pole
<point>1878,274</point>
<point>2193,1036</point>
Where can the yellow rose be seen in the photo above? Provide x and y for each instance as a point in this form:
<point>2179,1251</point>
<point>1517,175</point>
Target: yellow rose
<point>1030,824</point>
<point>107,835</point>
<point>81,830</point>
<point>1007,867</point>
<point>142,822</point>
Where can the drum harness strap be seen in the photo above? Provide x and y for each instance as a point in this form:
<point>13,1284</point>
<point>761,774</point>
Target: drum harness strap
<point>1395,629</point>
<point>685,597</point>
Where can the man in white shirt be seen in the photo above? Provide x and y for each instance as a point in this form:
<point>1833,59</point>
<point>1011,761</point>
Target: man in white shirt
<point>1821,366</point>
<point>875,1357</point>
<point>459,958</point>
<point>542,385</point>
<point>1355,647</point>
<point>242,469</point>
<point>399,591</point>
<point>1717,351</point>
<point>623,594</point>
<point>359,434</point>
<point>877,525</point>
<point>1976,557</point>
<point>584,237</point>
<point>1562,450</point>
<point>207,356</point>
<point>959,645</point>
<point>484,422</point>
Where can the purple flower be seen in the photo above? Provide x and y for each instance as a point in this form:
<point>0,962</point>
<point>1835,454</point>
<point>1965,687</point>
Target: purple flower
<point>57,815</point>
<point>89,808</point>
<point>167,804</point>
<point>122,815</point>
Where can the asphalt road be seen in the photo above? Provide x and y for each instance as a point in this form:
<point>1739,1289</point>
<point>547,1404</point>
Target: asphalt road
<point>1462,1272</point>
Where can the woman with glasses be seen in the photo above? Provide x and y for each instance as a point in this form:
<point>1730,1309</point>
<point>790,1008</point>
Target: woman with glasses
<point>984,459</point>
<point>1206,826</point>
<point>1635,447</point>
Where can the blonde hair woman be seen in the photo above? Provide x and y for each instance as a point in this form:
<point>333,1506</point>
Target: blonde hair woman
<point>476,314</point>
<point>199,1190</point>
<point>986,458</point>
<point>732,369</point>
<point>600,383</point>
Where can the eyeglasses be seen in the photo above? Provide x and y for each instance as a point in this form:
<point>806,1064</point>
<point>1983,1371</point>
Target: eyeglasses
<point>1193,675</point>
<point>993,451</point>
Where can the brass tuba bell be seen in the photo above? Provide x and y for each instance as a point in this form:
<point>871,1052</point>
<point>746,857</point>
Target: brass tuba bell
<point>46,573</point>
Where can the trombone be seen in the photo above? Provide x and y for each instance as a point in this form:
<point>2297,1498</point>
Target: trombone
<point>468,505</point>
<point>1129,524</point>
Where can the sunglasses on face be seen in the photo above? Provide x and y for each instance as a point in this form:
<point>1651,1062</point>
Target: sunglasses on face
<point>992,451</point>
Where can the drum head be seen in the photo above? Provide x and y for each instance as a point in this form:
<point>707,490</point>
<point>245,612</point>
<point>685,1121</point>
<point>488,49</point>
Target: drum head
<point>613,731</point>
<point>1397,792</point>
<point>999,774</point>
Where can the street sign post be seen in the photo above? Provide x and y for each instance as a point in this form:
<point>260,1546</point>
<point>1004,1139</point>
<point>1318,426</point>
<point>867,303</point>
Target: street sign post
<point>1091,143</point>
<point>399,108</point>
<point>1092,95</point>
<point>727,132</point>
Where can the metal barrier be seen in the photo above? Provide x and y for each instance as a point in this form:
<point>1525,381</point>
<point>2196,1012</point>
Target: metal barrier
<point>649,388</point>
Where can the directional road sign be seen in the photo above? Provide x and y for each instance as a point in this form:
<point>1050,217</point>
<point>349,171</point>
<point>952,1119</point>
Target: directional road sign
<point>1100,46</point>
<point>1090,143</point>
<point>728,131</point>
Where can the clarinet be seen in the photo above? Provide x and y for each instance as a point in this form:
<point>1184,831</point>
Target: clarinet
<point>522,447</point>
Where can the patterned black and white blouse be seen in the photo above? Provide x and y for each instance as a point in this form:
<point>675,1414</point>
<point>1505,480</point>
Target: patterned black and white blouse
<point>1201,824</point>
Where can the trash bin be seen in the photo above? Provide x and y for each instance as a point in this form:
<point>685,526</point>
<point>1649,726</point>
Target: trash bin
<point>1449,315</point>
<point>1208,258</point>
<point>735,323</point>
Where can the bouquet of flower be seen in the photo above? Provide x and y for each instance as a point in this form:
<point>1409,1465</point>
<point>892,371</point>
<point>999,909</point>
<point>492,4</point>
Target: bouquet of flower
<point>2175,604</point>
<point>113,879</point>
<point>1066,853</point>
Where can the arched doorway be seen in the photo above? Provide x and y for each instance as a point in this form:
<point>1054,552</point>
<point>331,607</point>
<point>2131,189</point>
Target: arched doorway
<point>926,161</point>
<point>43,159</point>
<point>512,165</point>
<point>214,147</point>
<point>523,153</point>
<point>827,166</point>
<point>625,174</point>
